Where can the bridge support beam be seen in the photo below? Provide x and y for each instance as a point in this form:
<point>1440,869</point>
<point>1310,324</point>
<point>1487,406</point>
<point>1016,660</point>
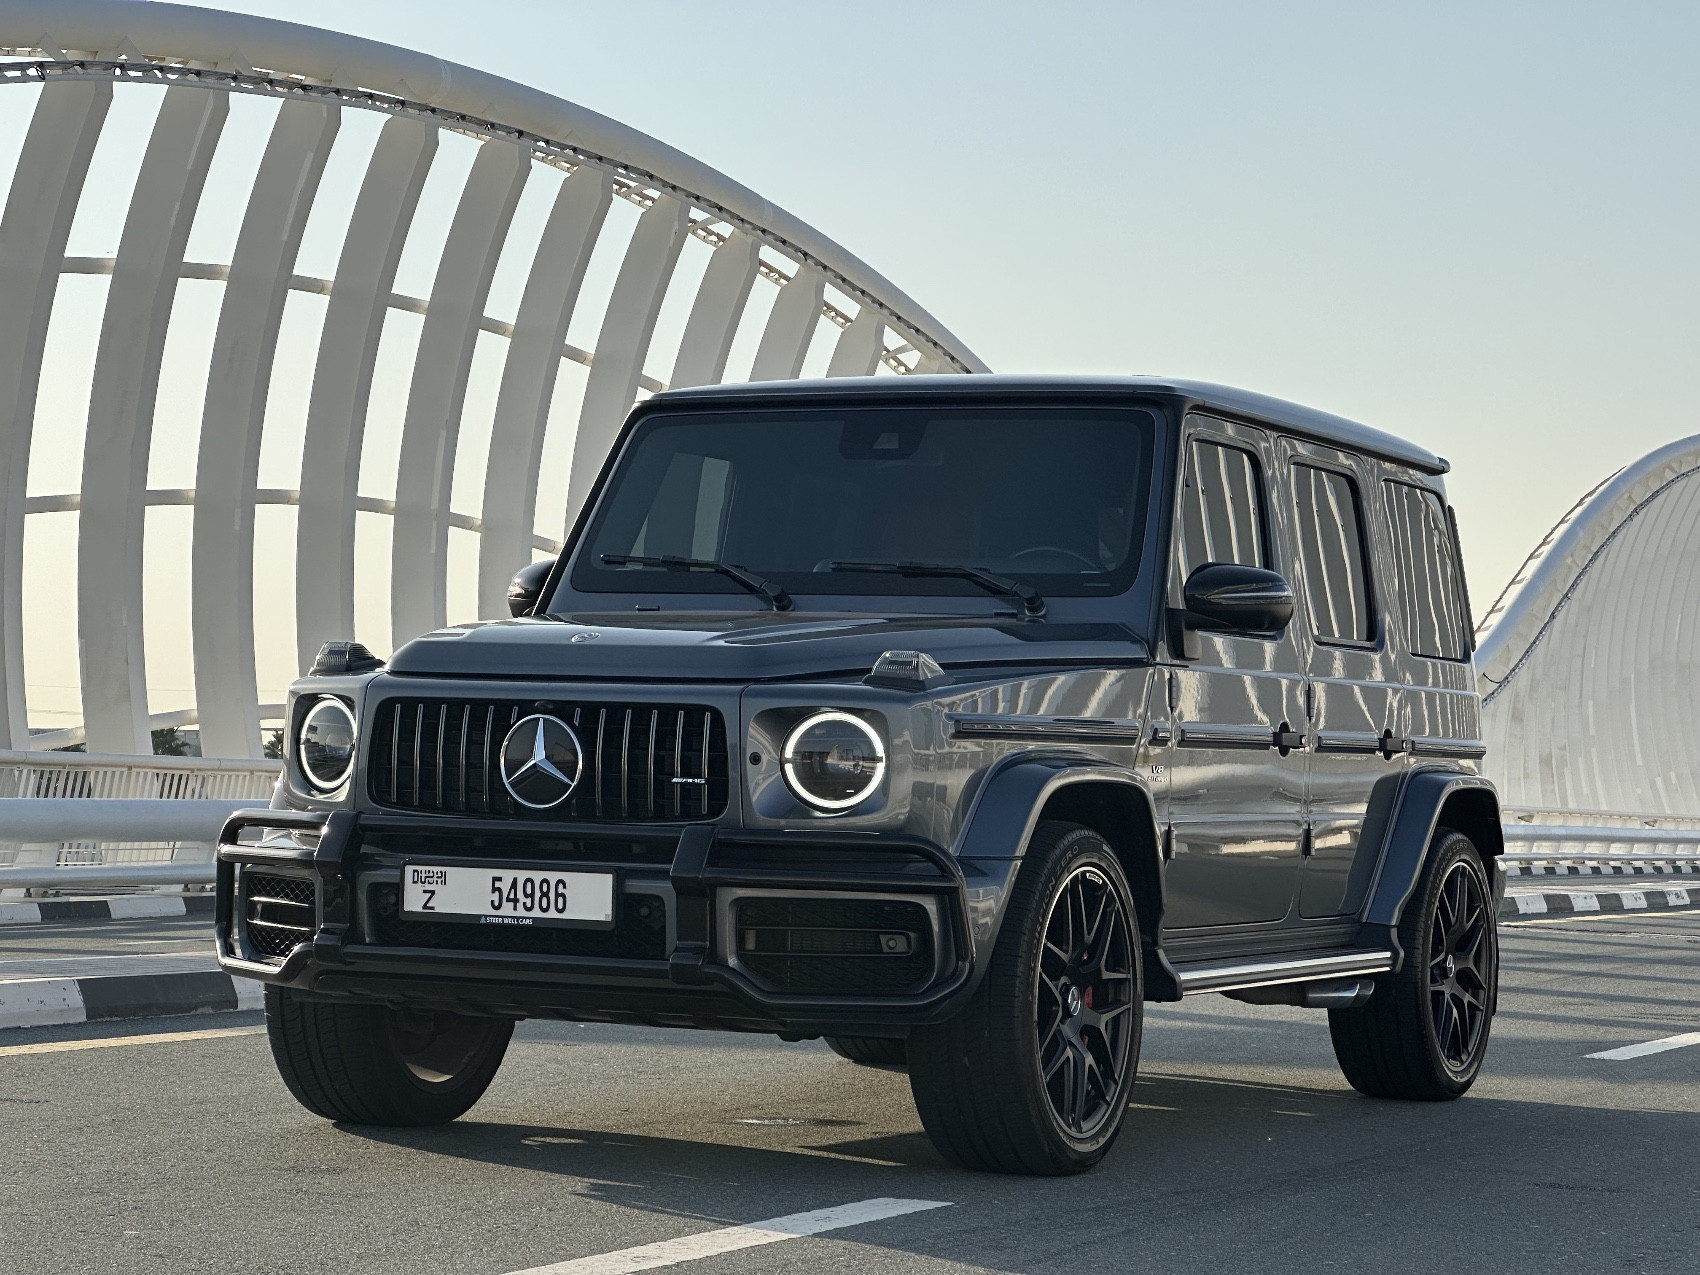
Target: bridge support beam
<point>46,188</point>
<point>624,342</point>
<point>342,383</point>
<point>528,382</point>
<point>419,547</point>
<point>222,605</point>
<point>120,422</point>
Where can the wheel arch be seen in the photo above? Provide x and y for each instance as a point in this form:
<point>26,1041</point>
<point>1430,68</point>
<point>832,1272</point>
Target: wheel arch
<point>1428,801</point>
<point>1111,800</point>
<point>1474,812</point>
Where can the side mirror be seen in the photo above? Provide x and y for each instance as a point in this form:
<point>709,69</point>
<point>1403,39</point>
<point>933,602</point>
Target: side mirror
<point>526,588</point>
<point>1224,597</point>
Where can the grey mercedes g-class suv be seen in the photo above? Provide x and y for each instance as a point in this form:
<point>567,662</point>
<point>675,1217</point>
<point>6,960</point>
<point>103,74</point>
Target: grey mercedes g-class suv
<point>948,718</point>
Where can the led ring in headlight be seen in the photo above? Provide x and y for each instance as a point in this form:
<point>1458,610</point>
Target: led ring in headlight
<point>326,746</point>
<point>833,761</point>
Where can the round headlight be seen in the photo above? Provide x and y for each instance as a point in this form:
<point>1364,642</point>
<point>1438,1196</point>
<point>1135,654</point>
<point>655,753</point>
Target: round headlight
<point>833,761</point>
<point>326,747</point>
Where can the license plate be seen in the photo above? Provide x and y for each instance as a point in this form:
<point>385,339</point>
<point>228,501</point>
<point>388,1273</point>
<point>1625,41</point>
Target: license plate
<point>507,896</point>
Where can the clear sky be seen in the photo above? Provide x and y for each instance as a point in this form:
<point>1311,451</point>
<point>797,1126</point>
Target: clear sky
<point>1477,225</point>
<point>1471,224</point>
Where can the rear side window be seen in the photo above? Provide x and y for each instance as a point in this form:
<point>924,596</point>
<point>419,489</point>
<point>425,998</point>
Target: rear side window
<point>1222,510</point>
<point>1331,550</point>
<point>1429,587</point>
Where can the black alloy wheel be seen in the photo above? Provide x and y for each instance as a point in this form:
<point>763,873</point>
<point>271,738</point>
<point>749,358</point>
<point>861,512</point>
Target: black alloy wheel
<point>1423,1034</point>
<point>1084,1015</point>
<point>1034,1073</point>
<point>1460,966</point>
<point>436,1048</point>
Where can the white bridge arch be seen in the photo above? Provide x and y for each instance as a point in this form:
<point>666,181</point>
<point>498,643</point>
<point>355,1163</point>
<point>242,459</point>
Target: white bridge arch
<point>85,55</point>
<point>1589,667</point>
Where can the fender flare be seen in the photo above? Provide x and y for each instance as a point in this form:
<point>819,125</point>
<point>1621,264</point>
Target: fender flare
<point>999,827</point>
<point>1416,815</point>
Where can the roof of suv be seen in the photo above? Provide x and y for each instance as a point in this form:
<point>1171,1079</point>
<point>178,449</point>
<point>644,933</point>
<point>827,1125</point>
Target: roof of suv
<point>1305,421</point>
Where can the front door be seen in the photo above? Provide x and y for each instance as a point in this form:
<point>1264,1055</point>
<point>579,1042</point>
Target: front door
<point>1236,793</point>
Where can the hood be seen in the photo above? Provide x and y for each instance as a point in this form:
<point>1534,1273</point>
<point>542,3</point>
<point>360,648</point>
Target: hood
<point>746,647</point>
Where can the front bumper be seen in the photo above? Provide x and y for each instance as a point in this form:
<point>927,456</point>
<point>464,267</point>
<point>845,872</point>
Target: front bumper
<point>695,976</point>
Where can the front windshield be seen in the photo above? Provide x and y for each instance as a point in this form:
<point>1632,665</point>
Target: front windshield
<point>1050,496</point>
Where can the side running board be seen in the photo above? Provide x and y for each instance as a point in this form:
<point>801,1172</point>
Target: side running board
<point>1232,976</point>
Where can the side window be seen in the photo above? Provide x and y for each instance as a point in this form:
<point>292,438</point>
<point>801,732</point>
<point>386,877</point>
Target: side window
<point>1430,591</point>
<point>1331,549</point>
<point>1221,509</point>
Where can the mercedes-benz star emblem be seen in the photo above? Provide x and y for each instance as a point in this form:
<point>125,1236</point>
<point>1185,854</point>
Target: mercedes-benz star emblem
<point>541,760</point>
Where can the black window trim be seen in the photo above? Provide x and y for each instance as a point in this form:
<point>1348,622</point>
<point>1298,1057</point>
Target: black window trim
<point>1468,634</point>
<point>1372,589</point>
<point>1260,475</point>
<point>1463,580</point>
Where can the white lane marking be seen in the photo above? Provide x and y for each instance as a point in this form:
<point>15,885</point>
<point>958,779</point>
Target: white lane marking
<point>1649,1047</point>
<point>1596,918</point>
<point>111,1042</point>
<point>729,1239</point>
<point>41,1002</point>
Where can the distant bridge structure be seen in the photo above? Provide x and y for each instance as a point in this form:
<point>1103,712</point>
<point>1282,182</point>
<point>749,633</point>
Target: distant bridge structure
<point>84,57</point>
<point>1589,664</point>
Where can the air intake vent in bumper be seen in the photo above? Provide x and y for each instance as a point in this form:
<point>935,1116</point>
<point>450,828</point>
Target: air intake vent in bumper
<point>835,947</point>
<point>278,912</point>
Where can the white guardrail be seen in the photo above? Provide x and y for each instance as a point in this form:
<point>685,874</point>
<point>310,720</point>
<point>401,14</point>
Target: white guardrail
<point>88,822</point>
<point>1602,835</point>
<point>97,821</point>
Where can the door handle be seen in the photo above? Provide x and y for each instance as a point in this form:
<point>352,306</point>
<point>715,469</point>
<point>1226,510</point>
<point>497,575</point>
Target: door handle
<point>1286,739</point>
<point>1392,745</point>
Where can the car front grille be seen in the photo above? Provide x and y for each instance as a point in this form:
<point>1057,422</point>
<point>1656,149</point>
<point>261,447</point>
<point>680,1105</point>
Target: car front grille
<point>278,912</point>
<point>639,933</point>
<point>641,761</point>
<point>835,947</point>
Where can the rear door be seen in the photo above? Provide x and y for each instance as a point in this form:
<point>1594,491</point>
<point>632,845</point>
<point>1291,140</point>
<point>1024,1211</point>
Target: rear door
<point>1442,713</point>
<point>1355,696</point>
<point>1236,795</point>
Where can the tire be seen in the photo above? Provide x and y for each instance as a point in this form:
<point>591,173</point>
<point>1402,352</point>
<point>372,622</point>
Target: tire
<point>1033,1075</point>
<point>370,1064</point>
<point>1423,1033</point>
<point>870,1051</point>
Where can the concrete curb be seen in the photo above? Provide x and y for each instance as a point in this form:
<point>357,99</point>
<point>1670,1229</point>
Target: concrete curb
<point>120,907</point>
<point>1597,868</point>
<point>1666,899</point>
<point>55,1002</point>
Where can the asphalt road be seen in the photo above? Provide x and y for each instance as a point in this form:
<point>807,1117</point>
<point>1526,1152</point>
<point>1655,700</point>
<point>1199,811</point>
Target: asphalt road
<point>1245,1151</point>
<point>80,940</point>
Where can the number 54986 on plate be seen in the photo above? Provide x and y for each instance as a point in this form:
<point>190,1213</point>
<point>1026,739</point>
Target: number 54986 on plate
<point>511,896</point>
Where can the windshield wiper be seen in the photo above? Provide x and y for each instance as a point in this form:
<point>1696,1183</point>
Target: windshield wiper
<point>1032,605</point>
<point>775,596</point>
